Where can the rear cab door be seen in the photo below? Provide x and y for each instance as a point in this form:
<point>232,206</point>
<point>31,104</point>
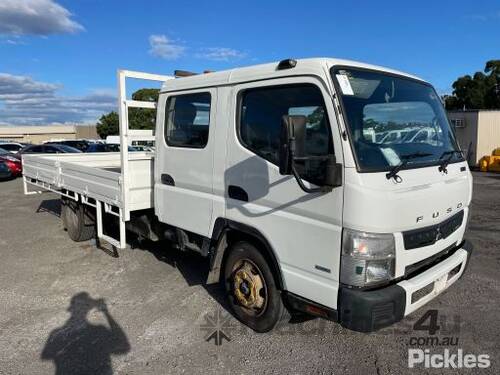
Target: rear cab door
<point>184,161</point>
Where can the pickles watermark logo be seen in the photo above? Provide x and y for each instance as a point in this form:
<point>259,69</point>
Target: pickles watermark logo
<point>434,325</point>
<point>446,359</point>
<point>220,326</point>
<point>217,327</point>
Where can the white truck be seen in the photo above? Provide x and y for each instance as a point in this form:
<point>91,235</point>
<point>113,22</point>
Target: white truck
<point>267,171</point>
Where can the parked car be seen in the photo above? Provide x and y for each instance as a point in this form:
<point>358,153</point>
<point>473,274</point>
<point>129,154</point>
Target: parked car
<point>80,144</point>
<point>143,148</point>
<point>5,173</point>
<point>14,164</point>
<point>11,147</point>
<point>106,147</point>
<point>47,149</point>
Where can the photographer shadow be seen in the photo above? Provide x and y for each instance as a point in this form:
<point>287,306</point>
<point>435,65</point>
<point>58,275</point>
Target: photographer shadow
<point>81,347</point>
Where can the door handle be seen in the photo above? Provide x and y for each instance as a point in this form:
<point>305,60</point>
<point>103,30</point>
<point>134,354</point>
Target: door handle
<point>166,179</point>
<point>238,193</point>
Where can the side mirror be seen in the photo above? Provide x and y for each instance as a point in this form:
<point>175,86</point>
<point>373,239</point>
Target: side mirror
<point>292,149</point>
<point>333,173</point>
<point>292,142</point>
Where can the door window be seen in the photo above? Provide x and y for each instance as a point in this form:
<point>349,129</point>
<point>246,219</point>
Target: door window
<point>261,113</point>
<point>187,119</point>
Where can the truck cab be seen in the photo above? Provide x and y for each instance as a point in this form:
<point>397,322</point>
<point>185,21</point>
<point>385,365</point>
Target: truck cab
<point>280,168</point>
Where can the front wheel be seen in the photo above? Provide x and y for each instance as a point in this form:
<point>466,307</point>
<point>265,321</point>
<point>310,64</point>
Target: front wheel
<point>252,290</point>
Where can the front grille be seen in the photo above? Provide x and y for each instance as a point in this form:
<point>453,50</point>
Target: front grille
<point>454,271</point>
<point>429,262</point>
<point>429,235</point>
<point>421,293</point>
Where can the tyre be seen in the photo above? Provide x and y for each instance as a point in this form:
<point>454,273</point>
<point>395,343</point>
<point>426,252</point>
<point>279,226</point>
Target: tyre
<point>252,290</point>
<point>77,220</point>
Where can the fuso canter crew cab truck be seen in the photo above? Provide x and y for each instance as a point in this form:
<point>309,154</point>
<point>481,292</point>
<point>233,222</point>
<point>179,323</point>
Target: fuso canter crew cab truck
<point>326,186</point>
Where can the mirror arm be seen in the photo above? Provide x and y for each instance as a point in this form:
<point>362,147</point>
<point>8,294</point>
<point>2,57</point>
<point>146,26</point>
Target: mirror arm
<point>303,158</point>
<point>322,189</point>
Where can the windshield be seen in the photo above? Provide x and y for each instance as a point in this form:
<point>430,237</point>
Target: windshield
<point>393,119</point>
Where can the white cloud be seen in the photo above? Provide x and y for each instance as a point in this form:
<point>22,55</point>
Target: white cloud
<point>24,100</point>
<point>166,48</point>
<point>35,17</point>
<point>12,40</point>
<point>483,17</point>
<point>161,46</point>
<point>12,86</point>
<point>220,54</point>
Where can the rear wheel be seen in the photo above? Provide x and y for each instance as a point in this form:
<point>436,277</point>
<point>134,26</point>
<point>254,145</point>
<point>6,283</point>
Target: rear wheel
<point>77,220</point>
<point>252,290</point>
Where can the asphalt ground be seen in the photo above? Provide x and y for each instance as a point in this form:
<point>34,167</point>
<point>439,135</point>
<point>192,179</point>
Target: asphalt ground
<point>71,308</point>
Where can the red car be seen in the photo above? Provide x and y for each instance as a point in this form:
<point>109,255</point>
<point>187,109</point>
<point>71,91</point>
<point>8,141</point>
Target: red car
<point>15,166</point>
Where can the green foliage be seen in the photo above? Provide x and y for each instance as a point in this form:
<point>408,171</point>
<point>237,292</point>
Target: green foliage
<point>316,116</point>
<point>142,118</point>
<point>139,118</point>
<point>108,125</point>
<point>147,95</point>
<point>481,91</point>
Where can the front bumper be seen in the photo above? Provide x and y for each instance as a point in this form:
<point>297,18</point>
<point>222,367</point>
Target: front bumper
<point>367,311</point>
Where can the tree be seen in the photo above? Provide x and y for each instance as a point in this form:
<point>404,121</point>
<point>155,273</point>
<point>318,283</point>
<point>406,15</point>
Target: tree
<point>316,116</point>
<point>493,67</point>
<point>492,97</point>
<point>139,118</point>
<point>108,125</point>
<point>481,91</point>
<point>143,118</point>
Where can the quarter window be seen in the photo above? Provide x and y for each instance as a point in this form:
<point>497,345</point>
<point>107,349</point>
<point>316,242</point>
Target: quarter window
<point>187,119</point>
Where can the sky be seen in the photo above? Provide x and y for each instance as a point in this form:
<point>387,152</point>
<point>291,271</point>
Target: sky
<point>58,58</point>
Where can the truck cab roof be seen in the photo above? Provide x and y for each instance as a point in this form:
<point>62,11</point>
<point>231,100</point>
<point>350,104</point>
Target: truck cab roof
<point>309,66</point>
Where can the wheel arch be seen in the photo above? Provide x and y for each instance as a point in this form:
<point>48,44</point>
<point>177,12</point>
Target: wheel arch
<point>228,232</point>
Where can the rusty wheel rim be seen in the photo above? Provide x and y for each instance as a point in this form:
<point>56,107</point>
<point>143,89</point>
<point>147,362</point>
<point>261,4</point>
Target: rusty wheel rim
<point>249,287</point>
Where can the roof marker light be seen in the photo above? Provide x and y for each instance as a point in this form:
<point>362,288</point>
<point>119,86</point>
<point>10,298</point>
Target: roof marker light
<point>183,73</point>
<point>287,64</point>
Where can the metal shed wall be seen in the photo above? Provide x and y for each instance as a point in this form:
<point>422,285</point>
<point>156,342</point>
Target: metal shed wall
<point>488,132</point>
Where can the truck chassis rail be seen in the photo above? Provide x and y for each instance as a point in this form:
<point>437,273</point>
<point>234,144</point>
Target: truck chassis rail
<point>84,199</point>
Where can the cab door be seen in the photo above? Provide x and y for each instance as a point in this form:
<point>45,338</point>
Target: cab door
<point>303,229</point>
<point>184,162</point>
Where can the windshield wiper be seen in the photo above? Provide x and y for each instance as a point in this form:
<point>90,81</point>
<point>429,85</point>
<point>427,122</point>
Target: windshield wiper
<point>443,164</point>
<point>393,173</point>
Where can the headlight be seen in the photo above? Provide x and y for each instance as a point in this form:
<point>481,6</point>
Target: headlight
<point>367,258</point>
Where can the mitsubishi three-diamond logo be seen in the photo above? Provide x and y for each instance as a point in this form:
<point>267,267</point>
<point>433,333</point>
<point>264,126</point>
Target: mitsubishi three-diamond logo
<point>438,234</point>
<point>217,326</point>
